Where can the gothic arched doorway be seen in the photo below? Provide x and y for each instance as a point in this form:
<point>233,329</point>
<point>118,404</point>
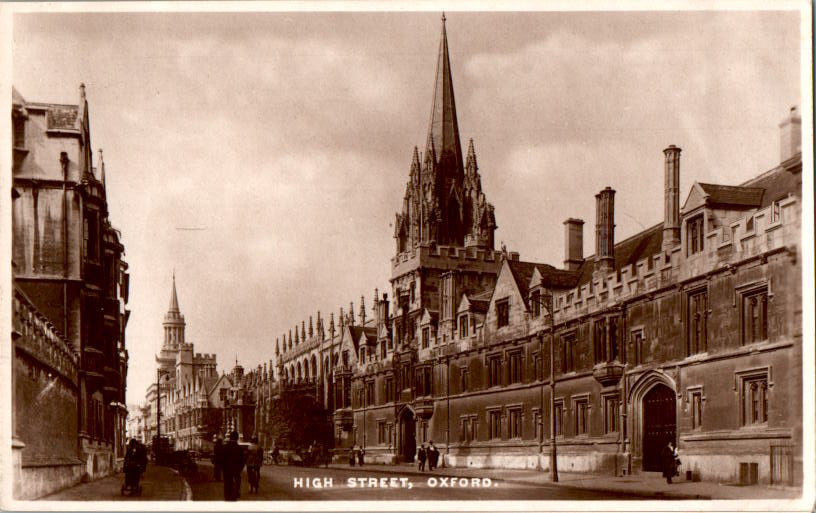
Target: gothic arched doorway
<point>407,435</point>
<point>659,424</point>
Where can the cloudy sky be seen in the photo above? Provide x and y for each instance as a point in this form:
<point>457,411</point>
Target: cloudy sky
<point>263,155</point>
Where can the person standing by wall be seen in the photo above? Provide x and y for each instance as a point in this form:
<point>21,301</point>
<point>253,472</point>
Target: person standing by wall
<point>433,456</point>
<point>670,461</point>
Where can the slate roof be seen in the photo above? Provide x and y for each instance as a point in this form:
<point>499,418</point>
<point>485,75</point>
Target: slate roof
<point>369,331</point>
<point>732,195</point>
<point>556,278</point>
<point>777,184</point>
<point>628,251</point>
<point>480,302</point>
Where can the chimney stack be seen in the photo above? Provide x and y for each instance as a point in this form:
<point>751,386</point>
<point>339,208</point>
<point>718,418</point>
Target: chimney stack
<point>790,135</point>
<point>671,198</point>
<point>573,243</point>
<point>605,231</point>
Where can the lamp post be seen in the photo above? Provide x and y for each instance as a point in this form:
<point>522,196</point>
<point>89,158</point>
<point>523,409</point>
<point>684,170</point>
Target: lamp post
<point>548,303</point>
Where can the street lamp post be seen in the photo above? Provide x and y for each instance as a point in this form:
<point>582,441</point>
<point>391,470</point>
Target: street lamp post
<point>548,301</point>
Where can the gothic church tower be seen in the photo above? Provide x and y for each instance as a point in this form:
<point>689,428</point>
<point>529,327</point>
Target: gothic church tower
<point>444,203</point>
<point>445,232</point>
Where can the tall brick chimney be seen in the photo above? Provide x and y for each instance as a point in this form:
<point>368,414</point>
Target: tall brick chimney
<point>605,231</point>
<point>790,135</point>
<point>671,198</point>
<point>573,243</point>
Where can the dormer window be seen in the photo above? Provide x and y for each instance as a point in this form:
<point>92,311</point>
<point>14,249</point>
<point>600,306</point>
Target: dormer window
<point>503,312</point>
<point>19,131</point>
<point>463,326</point>
<point>694,235</point>
<point>535,299</point>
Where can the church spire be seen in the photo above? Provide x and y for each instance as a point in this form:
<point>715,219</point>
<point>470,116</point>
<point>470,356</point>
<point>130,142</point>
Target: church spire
<point>443,132</point>
<point>174,307</point>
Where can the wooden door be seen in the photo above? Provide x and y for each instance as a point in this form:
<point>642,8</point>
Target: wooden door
<point>659,425</point>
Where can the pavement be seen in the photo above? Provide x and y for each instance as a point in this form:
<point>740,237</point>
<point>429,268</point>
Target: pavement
<point>646,484</point>
<point>158,484</point>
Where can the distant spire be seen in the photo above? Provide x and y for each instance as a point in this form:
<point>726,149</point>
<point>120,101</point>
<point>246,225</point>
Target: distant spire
<point>362,311</point>
<point>101,168</point>
<point>331,324</point>
<point>174,306</point>
<point>443,132</point>
<point>311,327</point>
<point>470,163</point>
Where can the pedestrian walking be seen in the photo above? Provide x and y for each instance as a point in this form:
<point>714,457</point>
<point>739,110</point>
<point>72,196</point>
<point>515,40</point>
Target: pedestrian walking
<point>353,456</point>
<point>275,454</point>
<point>254,461</point>
<point>433,456</point>
<point>134,466</point>
<point>361,456</point>
<point>670,461</point>
<point>217,457</point>
<point>233,464</point>
<point>422,455</point>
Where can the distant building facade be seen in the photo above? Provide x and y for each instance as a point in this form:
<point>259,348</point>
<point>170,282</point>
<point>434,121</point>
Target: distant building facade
<point>186,383</point>
<point>689,331</point>
<point>71,287</point>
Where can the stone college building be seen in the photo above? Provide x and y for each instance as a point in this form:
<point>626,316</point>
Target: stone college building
<point>689,331</point>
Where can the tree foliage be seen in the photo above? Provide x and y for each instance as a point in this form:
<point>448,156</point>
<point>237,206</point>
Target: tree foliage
<point>296,420</point>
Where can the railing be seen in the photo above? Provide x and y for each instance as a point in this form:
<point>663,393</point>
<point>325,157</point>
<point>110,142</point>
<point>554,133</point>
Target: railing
<point>781,465</point>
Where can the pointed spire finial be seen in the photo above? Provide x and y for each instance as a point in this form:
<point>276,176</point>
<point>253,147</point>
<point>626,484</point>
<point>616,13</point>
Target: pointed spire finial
<point>101,168</point>
<point>174,306</point>
<point>443,133</point>
<point>362,311</point>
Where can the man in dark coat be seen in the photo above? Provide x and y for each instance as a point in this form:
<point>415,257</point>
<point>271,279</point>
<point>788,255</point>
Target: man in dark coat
<point>421,457</point>
<point>433,456</point>
<point>669,462</point>
<point>217,458</point>
<point>233,465</point>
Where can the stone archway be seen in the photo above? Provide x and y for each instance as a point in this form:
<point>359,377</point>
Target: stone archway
<point>653,414</point>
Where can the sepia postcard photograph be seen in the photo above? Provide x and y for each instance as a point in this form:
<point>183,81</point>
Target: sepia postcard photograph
<point>407,256</point>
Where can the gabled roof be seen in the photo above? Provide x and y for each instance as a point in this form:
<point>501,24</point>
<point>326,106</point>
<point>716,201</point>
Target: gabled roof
<point>550,276</point>
<point>16,97</point>
<point>475,303</point>
<point>732,195</point>
<point>218,381</point>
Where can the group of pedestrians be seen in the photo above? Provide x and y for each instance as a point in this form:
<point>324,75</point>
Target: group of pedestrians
<point>429,454</point>
<point>229,459</point>
<point>357,456</point>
